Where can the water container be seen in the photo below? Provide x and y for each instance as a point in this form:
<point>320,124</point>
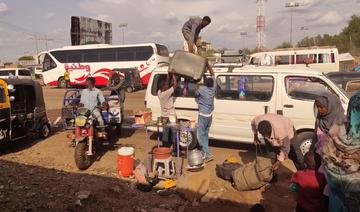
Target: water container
<point>189,65</point>
<point>125,161</point>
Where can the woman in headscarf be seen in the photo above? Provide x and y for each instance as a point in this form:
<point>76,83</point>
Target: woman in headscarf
<point>341,160</point>
<point>330,110</point>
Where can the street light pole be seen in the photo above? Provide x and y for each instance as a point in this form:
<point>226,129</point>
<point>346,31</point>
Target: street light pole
<point>243,35</point>
<point>122,27</point>
<point>291,5</point>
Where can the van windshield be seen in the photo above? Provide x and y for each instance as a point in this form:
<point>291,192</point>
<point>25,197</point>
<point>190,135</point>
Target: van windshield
<point>339,86</point>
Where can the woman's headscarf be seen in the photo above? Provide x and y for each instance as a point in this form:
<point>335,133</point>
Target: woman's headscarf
<point>335,111</point>
<point>353,115</point>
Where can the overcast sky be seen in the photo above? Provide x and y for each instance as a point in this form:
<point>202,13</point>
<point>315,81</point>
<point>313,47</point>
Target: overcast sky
<point>160,21</point>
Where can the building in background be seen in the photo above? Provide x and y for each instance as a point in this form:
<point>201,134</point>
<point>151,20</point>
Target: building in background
<point>90,31</point>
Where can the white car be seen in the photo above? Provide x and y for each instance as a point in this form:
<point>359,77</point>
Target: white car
<point>19,73</point>
<point>243,93</point>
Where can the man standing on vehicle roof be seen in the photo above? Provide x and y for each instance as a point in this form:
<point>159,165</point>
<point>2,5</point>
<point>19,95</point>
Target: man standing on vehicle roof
<point>278,132</point>
<point>91,98</point>
<point>165,95</point>
<point>191,30</point>
<point>205,95</point>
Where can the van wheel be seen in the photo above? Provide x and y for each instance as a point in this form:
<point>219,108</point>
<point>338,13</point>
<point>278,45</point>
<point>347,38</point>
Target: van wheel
<point>302,145</point>
<point>44,131</point>
<point>188,139</point>
<point>61,83</point>
<point>129,89</point>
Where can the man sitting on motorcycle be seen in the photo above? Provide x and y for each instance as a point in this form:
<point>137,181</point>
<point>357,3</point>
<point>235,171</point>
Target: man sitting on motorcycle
<point>91,98</point>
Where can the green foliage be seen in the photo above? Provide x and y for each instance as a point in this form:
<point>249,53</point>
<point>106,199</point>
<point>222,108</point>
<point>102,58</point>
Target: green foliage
<point>348,40</point>
<point>26,57</point>
<point>284,45</point>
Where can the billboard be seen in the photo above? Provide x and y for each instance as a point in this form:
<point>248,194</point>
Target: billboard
<point>90,31</point>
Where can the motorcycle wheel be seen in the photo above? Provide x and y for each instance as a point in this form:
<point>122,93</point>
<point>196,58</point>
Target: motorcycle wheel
<point>82,160</point>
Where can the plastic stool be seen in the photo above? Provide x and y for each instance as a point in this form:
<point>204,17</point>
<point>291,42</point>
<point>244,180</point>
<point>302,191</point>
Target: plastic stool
<point>165,167</point>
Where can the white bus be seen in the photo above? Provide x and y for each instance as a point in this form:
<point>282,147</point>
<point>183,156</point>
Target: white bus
<point>324,58</point>
<point>99,60</point>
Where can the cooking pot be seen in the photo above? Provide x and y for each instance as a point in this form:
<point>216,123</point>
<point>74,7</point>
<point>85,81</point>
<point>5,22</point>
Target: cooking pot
<point>195,158</point>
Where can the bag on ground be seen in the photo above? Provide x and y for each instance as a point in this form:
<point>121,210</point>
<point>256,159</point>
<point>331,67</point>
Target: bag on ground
<point>253,175</point>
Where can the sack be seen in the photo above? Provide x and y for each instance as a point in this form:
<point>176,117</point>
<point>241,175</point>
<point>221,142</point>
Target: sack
<point>188,65</point>
<point>253,175</point>
<point>225,170</point>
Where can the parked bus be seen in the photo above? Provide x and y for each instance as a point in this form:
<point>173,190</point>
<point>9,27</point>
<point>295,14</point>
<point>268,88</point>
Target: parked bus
<point>325,58</point>
<point>99,60</point>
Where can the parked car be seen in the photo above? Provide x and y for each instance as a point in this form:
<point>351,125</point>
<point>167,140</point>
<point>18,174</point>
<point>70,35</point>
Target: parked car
<point>132,78</point>
<point>349,81</point>
<point>23,111</point>
<point>19,73</point>
<point>286,91</point>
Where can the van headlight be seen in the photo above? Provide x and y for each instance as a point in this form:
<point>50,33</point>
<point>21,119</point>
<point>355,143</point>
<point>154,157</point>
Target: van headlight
<point>80,121</point>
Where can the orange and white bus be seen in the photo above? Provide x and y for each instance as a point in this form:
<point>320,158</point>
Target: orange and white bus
<point>99,60</point>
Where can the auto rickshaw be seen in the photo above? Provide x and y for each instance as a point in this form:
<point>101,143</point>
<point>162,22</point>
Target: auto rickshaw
<point>22,110</point>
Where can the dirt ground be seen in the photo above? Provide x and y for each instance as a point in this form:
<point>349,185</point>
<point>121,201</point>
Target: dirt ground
<point>40,175</point>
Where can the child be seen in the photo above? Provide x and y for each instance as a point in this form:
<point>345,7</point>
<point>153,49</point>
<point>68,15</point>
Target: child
<point>67,78</point>
<point>309,185</point>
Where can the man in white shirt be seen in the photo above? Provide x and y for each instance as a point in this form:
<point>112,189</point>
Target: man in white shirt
<point>165,95</point>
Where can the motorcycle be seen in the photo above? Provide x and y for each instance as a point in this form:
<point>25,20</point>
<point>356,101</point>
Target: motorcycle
<point>86,135</point>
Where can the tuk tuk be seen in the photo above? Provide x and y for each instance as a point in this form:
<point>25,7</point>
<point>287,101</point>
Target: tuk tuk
<point>132,78</point>
<point>22,110</point>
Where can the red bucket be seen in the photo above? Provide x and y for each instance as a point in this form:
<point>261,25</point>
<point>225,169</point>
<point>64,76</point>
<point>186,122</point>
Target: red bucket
<point>162,152</point>
<point>125,161</point>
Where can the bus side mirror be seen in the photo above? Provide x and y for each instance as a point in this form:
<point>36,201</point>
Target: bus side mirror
<point>12,98</point>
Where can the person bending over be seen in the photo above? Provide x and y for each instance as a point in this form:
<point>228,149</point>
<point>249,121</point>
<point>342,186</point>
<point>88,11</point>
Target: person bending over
<point>191,30</point>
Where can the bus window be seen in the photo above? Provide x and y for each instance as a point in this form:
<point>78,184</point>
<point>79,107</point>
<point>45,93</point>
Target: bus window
<point>125,54</point>
<point>284,59</point>
<point>107,55</point>
<point>92,55</point>
<point>143,53</point>
<point>301,58</point>
<point>75,57</point>
<point>332,58</point>
<point>48,63</point>
<point>313,57</point>
<point>292,58</point>
<point>324,58</point>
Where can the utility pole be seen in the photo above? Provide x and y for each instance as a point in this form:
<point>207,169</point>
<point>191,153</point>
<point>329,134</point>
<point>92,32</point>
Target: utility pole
<point>123,26</point>
<point>243,35</point>
<point>291,5</point>
<point>260,25</point>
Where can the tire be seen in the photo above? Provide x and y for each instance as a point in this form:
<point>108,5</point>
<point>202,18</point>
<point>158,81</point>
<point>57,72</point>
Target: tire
<point>301,145</point>
<point>190,142</point>
<point>44,132</point>
<point>82,160</point>
<point>129,89</point>
<point>61,83</point>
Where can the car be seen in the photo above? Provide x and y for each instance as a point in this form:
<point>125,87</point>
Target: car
<point>347,80</point>
<point>280,90</point>
<point>19,73</point>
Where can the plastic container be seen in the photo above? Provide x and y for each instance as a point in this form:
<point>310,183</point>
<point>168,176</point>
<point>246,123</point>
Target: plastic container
<point>162,152</point>
<point>189,65</point>
<point>125,161</point>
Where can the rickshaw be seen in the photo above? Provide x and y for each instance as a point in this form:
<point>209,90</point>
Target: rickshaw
<point>112,117</point>
<point>22,110</point>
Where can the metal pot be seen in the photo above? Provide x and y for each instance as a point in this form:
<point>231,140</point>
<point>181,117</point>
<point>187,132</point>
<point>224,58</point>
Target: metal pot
<point>195,158</point>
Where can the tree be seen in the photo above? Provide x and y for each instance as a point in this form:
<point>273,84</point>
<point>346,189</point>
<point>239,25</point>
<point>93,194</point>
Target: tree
<point>284,45</point>
<point>26,57</point>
